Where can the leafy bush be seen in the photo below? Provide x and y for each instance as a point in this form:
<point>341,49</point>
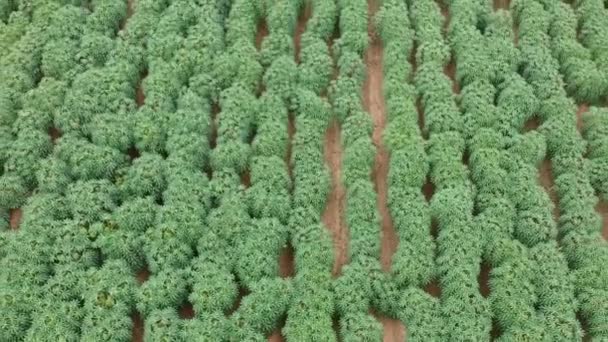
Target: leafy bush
<point>165,289</point>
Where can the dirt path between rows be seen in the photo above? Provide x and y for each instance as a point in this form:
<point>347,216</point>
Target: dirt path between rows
<point>374,104</point>
<point>333,216</point>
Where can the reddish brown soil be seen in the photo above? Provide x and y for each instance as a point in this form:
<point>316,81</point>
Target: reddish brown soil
<point>532,124</point>
<point>445,11</point>
<point>502,4</point>
<point>545,175</point>
<point>215,111</point>
<point>246,179</point>
<point>433,288</point>
<point>138,328</point>
<point>262,33</point>
<point>334,209</point>
<point>140,97</point>
<point>15,218</point>
<point>54,133</point>
<point>143,275</point>
<point>602,209</point>
<point>276,336</point>
<point>582,109</point>
<point>450,71</point>
<point>421,119</point>
<point>394,330</point>
<point>373,101</point>
<point>484,279</point>
<point>186,311</point>
<point>286,263</point>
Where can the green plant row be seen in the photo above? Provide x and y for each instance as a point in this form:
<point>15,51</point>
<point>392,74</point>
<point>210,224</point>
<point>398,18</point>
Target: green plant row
<point>353,296</point>
<point>584,79</point>
<point>593,25</point>
<point>595,127</point>
<point>310,313</point>
<point>579,225</point>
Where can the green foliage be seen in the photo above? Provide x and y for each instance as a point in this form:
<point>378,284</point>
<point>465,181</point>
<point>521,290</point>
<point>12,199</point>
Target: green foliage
<point>42,207</point>
<point>136,215</point>
<point>313,249</point>
<point>107,325</point>
<point>72,245</point>
<point>261,310</point>
<point>165,289</point>
<point>163,325</point>
<point>360,327</point>
<point>259,250</point>
<point>109,286</point>
<point>362,218</point>
<point>145,177</point>
<point>115,243</point>
<point>315,68</point>
<point>420,312</point>
<point>30,146</point>
<point>357,160</point>
<point>13,191</point>
<point>86,160</point>
<point>205,327</point>
<point>112,130</point>
<point>89,200</point>
<point>213,287</point>
<point>53,176</point>
<point>281,77</point>
<point>269,194</point>
<point>352,290</point>
<point>57,320</point>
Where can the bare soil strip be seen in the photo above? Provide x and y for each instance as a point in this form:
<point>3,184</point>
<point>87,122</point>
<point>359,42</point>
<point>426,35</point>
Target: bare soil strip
<point>333,217</point>
<point>15,218</point>
<point>262,33</point>
<point>433,288</point>
<point>374,104</point>
<point>546,179</point>
<point>450,71</point>
<point>55,134</point>
<point>484,279</point>
<point>602,209</point>
<point>532,124</point>
<point>394,330</point>
<point>143,275</point>
<point>186,311</point>
<point>138,328</point>
<point>582,109</point>
<point>286,264</point>
<point>140,97</point>
<point>502,4</point>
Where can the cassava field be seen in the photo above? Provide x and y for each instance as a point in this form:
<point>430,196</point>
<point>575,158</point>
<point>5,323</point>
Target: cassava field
<point>303,170</point>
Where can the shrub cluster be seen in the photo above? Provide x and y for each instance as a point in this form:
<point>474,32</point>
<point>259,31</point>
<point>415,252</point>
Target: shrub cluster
<point>595,132</point>
<point>579,225</point>
<point>584,77</point>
